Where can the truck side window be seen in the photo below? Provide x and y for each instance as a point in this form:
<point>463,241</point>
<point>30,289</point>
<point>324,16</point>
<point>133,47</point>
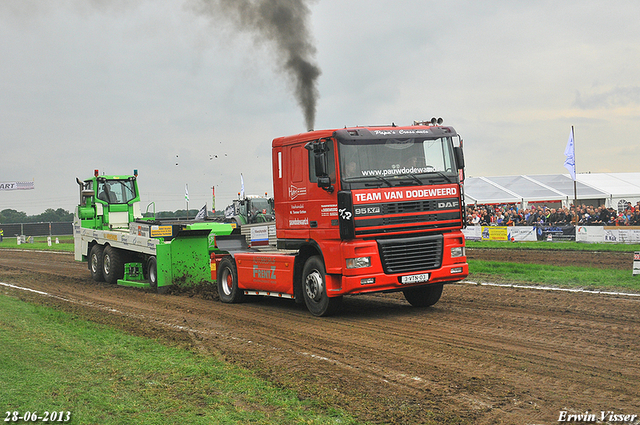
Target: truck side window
<point>331,165</point>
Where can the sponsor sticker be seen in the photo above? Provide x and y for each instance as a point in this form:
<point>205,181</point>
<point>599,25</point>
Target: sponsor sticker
<point>161,231</point>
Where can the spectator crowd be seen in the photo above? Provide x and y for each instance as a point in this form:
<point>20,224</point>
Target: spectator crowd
<point>583,215</point>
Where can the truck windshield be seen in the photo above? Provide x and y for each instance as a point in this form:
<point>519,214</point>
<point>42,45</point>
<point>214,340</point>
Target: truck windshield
<point>397,161</point>
<point>116,191</point>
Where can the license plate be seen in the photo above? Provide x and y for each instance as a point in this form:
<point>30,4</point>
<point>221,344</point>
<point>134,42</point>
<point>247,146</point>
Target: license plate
<point>416,278</point>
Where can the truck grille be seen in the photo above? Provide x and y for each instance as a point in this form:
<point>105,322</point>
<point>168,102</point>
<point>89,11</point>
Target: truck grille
<point>401,217</point>
<point>411,254</point>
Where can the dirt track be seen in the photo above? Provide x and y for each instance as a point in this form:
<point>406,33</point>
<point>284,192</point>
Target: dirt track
<point>482,355</point>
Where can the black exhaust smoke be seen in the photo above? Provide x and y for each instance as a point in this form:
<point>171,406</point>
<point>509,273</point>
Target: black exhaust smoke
<point>284,24</point>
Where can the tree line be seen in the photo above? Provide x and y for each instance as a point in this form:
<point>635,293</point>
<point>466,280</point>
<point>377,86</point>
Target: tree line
<point>49,215</point>
<point>9,216</point>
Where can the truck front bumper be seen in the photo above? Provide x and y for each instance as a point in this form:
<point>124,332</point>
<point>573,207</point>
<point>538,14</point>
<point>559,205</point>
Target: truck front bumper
<point>338,285</point>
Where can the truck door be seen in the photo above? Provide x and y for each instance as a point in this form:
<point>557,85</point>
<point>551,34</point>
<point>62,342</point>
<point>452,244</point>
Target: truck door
<point>296,214</point>
<point>323,206</point>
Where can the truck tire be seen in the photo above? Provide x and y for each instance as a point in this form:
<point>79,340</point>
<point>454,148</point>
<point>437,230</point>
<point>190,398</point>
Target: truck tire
<point>423,296</point>
<point>95,263</point>
<point>314,289</point>
<point>227,281</point>
<point>152,272</point>
<point>112,265</point>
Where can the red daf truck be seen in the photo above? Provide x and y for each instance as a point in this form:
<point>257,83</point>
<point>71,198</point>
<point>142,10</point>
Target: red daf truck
<point>358,210</point>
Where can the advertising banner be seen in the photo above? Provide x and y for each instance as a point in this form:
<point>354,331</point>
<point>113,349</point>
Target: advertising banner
<point>472,233</point>
<point>621,235</point>
<point>589,234</point>
<point>522,233</point>
<point>16,185</point>
<point>560,233</point>
<point>500,233</point>
<point>494,233</point>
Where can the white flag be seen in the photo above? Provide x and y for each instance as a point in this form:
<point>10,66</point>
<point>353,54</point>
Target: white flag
<point>202,214</point>
<point>186,192</point>
<point>570,154</point>
<point>241,186</point>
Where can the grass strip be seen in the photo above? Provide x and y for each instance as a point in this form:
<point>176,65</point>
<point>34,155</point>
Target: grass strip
<point>40,243</point>
<point>66,244</point>
<point>53,361</point>
<point>569,276</point>
<point>555,246</point>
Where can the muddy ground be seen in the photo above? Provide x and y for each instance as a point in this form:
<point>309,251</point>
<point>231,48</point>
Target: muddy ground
<point>482,355</point>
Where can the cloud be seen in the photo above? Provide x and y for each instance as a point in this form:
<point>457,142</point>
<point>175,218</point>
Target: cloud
<point>613,98</point>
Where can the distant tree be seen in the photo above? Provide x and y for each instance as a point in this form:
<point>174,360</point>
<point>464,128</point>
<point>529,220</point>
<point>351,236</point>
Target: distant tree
<point>51,215</point>
<point>173,214</point>
<point>12,216</point>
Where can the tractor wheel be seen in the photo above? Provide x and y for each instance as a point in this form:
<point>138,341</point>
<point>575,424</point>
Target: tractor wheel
<point>227,281</point>
<point>423,296</point>
<point>314,289</point>
<point>95,263</point>
<point>112,265</point>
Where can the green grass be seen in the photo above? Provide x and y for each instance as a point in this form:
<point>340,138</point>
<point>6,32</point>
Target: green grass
<point>571,246</point>
<point>53,361</point>
<point>66,244</point>
<point>40,243</point>
<point>539,274</point>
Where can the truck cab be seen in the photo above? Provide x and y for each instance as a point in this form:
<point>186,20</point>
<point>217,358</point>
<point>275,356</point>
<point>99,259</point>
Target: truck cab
<point>381,206</point>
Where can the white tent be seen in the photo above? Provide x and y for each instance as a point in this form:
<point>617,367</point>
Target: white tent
<point>609,189</point>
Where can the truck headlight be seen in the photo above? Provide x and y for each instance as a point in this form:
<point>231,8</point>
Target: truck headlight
<point>458,251</point>
<point>358,263</point>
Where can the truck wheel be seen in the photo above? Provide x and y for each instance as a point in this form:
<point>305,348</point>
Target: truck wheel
<point>112,265</point>
<point>314,289</point>
<point>227,281</point>
<point>423,296</point>
<point>95,263</point>
<point>152,271</point>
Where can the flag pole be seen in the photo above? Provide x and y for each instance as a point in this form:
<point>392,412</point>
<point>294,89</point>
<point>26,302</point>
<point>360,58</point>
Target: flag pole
<point>575,186</point>
<point>186,198</point>
<point>570,164</point>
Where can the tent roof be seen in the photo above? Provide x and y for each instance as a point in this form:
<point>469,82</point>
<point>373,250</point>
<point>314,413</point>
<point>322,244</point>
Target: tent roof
<point>550,187</point>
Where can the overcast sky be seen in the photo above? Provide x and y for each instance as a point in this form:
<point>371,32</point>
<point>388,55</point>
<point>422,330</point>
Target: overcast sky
<point>185,97</point>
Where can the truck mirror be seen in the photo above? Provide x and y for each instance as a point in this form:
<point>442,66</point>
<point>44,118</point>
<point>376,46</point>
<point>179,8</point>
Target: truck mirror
<point>324,182</point>
<point>320,149</point>
<point>321,167</point>
<point>459,154</point>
